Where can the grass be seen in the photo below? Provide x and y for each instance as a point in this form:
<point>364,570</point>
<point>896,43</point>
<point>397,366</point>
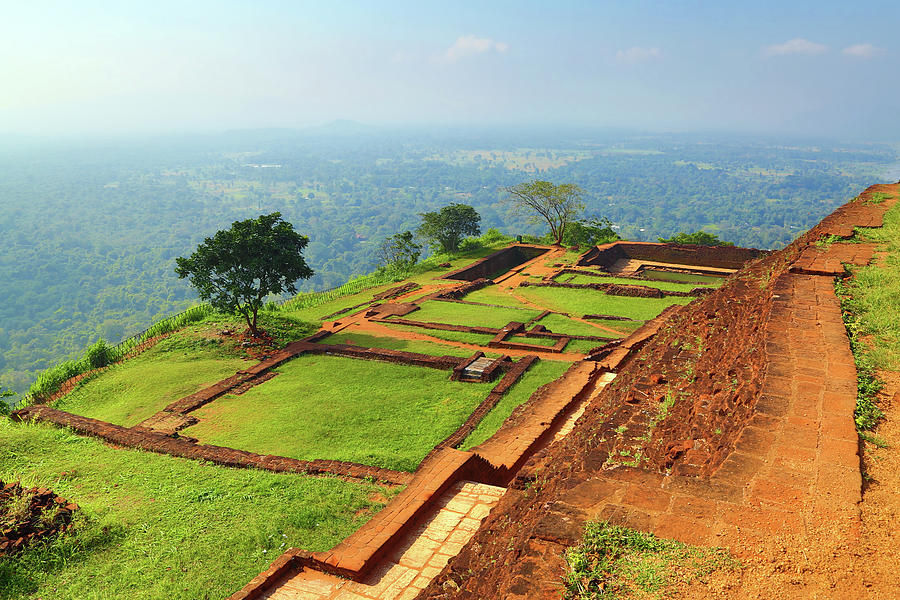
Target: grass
<point>669,286</point>
<point>625,327</point>
<point>543,372</point>
<point>582,346</point>
<point>569,258</point>
<point>314,306</point>
<point>470,314</point>
<point>390,343</point>
<point>135,389</point>
<point>370,412</point>
<point>493,294</point>
<point>581,302</point>
<point>157,527</point>
<point>562,324</point>
<point>684,277</point>
<point>616,562</point>
<point>534,341</point>
<point>870,303</point>
<point>478,339</point>
<point>316,312</point>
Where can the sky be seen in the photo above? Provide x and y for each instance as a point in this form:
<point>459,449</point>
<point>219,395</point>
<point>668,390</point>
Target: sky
<point>821,68</point>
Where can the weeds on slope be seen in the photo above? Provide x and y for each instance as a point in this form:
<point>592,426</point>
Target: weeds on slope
<point>616,562</point>
<point>870,303</point>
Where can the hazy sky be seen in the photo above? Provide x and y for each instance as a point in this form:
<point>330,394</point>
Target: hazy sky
<point>818,67</point>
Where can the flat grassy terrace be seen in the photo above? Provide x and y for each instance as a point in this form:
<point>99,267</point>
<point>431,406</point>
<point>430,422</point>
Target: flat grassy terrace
<point>371,412</point>
<point>478,339</point>
<point>157,527</point>
<point>493,294</point>
<point>586,301</point>
<point>625,327</point>
<point>562,324</point>
<point>684,277</point>
<point>666,286</point>
<point>133,390</point>
<point>541,373</point>
<point>470,314</point>
<point>391,343</point>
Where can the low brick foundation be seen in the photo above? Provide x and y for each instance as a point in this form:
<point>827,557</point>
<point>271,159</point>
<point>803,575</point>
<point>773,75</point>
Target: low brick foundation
<point>514,372</point>
<point>618,289</point>
<point>498,262</point>
<point>145,439</point>
<point>719,257</point>
<point>393,292</point>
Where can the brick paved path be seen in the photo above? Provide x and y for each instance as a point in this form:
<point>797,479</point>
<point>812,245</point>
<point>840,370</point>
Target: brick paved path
<point>425,551</point>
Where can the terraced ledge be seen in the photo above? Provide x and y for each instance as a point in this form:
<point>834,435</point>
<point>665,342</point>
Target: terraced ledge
<point>150,441</point>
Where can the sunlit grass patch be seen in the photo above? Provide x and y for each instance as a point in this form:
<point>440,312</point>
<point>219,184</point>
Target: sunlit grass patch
<point>543,372</point>
<point>365,411</point>
<point>586,301</point>
<point>129,392</point>
<point>478,339</point>
<point>470,314</point>
<point>870,303</point>
<point>616,562</point>
<point>158,527</point>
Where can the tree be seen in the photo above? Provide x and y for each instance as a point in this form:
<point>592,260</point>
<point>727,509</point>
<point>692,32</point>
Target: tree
<point>556,205</point>
<point>446,228</point>
<point>589,232</point>
<point>399,251</point>
<point>698,238</point>
<point>238,267</point>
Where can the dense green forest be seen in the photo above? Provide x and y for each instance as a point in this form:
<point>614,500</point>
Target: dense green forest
<point>90,229</point>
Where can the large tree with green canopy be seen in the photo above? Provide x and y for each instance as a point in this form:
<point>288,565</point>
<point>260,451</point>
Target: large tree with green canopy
<point>546,202</point>
<point>238,267</point>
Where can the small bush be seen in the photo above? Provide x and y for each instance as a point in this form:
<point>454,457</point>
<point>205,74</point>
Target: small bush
<point>98,354</point>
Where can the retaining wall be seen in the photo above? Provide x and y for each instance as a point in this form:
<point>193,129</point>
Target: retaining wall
<point>145,439</point>
<point>498,262</point>
<point>719,257</point>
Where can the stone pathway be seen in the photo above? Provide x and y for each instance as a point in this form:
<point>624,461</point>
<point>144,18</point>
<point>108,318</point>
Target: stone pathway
<point>425,551</point>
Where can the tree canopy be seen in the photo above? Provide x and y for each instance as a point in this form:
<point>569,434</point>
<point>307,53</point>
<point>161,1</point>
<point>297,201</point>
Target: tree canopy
<point>589,232</point>
<point>238,267</point>
<point>446,228</point>
<point>546,202</point>
<point>697,238</point>
<point>399,251</point>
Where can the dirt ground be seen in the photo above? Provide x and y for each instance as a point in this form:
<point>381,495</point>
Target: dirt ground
<point>827,561</point>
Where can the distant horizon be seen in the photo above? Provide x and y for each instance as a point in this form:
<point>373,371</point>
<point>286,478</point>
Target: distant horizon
<point>819,68</point>
<point>561,129</point>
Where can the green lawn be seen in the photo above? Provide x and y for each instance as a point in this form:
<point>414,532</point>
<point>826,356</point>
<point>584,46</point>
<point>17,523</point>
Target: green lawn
<point>626,327</point>
<point>587,301</point>
<point>317,313</point>
<point>685,277</point>
<point>534,341</point>
<point>667,286</point>
<point>582,346</point>
<point>563,324</point>
<point>478,339</point>
<point>364,411</point>
<point>470,314</point>
<point>157,527</point>
<point>131,391</point>
<point>543,372</point>
<point>876,292</point>
<point>493,294</point>
<point>378,341</point>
